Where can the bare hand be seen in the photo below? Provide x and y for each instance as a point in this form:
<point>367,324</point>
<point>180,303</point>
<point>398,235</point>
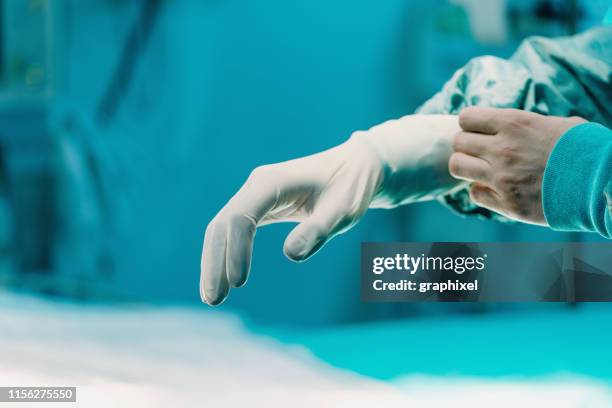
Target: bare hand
<point>504,152</point>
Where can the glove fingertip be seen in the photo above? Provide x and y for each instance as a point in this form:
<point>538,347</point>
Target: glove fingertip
<point>300,249</point>
<point>212,299</point>
<point>295,247</point>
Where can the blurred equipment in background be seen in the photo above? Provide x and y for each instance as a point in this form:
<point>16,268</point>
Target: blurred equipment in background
<point>546,17</point>
<point>52,224</point>
<point>497,22</point>
<point>123,74</point>
<point>55,222</point>
<point>487,19</point>
<point>26,77</point>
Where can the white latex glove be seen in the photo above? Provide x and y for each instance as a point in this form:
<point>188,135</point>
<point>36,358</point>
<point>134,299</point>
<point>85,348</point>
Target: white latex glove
<point>397,162</point>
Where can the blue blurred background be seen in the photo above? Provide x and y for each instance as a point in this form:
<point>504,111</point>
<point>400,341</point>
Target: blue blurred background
<point>126,125</point>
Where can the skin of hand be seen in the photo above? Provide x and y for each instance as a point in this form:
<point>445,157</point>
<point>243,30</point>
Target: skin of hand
<point>503,153</point>
<point>394,163</point>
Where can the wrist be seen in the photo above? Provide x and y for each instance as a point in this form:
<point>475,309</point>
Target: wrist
<point>413,152</point>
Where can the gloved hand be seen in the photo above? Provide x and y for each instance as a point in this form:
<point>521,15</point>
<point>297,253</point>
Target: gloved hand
<point>397,162</point>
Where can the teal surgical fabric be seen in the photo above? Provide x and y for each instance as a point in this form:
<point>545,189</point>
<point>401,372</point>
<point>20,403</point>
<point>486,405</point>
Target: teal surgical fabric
<point>567,76</point>
<point>577,185</point>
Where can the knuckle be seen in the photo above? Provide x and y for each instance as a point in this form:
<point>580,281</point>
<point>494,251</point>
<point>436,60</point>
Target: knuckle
<point>518,120</point>
<point>261,173</point>
<point>358,133</point>
<point>506,181</point>
<point>508,154</point>
<point>213,225</point>
<point>467,115</point>
<point>257,172</point>
<point>214,222</point>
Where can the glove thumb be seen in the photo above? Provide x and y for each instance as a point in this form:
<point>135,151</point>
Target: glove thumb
<point>305,240</point>
<point>331,216</point>
<point>326,221</point>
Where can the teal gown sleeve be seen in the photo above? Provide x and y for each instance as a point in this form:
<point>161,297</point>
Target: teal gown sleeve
<point>567,76</point>
<point>577,184</point>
